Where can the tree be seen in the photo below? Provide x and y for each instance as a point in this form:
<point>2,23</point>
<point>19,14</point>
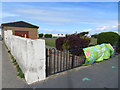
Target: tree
<point>82,33</point>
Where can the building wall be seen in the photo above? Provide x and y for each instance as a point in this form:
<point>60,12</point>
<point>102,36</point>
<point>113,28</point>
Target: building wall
<point>32,31</point>
<point>29,54</point>
<point>58,35</point>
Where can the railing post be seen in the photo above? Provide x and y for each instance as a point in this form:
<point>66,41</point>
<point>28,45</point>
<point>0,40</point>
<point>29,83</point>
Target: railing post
<point>50,64</point>
<point>73,57</point>
<point>46,62</point>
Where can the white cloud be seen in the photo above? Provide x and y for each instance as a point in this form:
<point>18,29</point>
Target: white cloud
<point>110,28</point>
<point>102,29</point>
<point>5,14</point>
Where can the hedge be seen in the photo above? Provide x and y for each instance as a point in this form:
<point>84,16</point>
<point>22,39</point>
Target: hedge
<point>48,36</point>
<point>95,35</point>
<point>118,46</point>
<point>108,37</point>
<point>40,35</point>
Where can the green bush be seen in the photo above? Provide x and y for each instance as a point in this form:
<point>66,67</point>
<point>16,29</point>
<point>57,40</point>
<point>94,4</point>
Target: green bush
<point>82,33</point>
<point>40,35</point>
<point>48,36</point>
<point>108,37</point>
<point>95,35</point>
<point>118,46</point>
<point>84,37</point>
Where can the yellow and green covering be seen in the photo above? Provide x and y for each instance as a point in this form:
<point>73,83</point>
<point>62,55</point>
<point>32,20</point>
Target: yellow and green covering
<point>98,53</point>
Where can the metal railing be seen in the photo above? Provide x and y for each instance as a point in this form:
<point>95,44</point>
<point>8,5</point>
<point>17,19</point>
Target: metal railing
<point>59,61</point>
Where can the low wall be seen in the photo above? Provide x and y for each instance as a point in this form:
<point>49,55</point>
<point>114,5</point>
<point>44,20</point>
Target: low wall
<point>29,54</point>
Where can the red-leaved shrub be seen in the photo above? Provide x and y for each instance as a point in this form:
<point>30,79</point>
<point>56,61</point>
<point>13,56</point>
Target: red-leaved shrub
<point>59,43</point>
<point>73,43</point>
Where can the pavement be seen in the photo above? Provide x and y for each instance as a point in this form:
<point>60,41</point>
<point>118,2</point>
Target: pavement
<point>99,75</point>
<point>9,72</point>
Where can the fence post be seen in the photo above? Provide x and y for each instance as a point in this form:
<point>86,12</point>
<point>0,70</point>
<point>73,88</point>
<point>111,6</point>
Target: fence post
<point>73,57</point>
<point>46,62</point>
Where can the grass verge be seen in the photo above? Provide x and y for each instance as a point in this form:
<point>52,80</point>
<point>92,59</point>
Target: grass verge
<point>50,42</point>
<point>19,71</point>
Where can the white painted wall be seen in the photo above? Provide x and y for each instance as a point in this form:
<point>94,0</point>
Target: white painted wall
<point>30,55</point>
<point>58,35</point>
<point>89,36</point>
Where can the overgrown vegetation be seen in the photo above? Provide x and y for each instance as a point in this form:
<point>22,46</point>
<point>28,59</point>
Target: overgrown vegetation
<point>19,71</point>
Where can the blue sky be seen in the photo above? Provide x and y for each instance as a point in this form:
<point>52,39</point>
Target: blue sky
<point>64,17</point>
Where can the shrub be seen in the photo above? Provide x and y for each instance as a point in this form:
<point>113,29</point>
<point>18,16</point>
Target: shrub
<point>48,35</point>
<point>95,35</point>
<point>40,35</point>
<point>82,33</point>
<point>118,46</point>
<point>65,45</point>
<point>76,44</point>
<point>59,43</point>
<point>72,43</point>
<point>84,37</point>
<point>108,37</point>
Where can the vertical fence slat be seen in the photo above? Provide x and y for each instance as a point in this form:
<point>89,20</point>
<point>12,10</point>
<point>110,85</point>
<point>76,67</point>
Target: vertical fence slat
<point>54,60</point>
<point>66,59</point>
<point>57,61</point>
<point>73,57</point>
<point>61,61</point>
<point>69,60</point>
